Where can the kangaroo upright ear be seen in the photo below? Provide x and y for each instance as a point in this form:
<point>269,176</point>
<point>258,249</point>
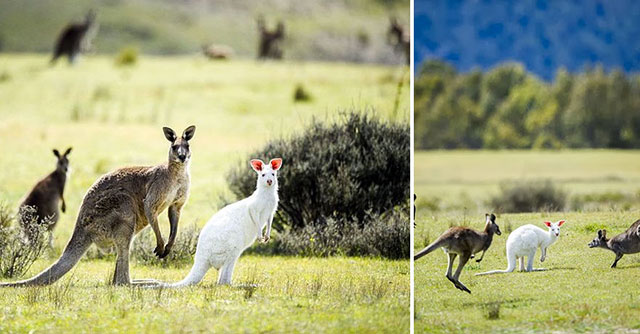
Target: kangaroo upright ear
<point>169,134</point>
<point>257,165</point>
<point>602,234</point>
<point>67,151</point>
<point>56,153</point>
<point>548,224</point>
<point>189,132</point>
<point>560,222</point>
<point>275,163</point>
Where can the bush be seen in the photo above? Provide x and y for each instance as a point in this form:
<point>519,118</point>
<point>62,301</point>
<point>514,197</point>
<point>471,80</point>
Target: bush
<point>529,196</point>
<point>384,235</point>
<point>127,56</point>
<point>340,177</point>
<point>182,251</point>
<point>17,251</point>
<point>300,94</point>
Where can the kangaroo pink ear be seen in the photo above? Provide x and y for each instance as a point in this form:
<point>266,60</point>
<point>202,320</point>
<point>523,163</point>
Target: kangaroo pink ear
<point>257,165</point>
<point>275,163</point>
<point>560,223</point>
<point>548,224</point>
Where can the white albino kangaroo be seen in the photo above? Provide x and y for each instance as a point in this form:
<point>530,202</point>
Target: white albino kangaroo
<point>234,228</point>
<point>524,241</point>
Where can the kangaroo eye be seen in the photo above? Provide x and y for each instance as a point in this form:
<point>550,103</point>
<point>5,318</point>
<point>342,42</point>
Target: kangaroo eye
<point>273,174</point>
<point>263,175</point>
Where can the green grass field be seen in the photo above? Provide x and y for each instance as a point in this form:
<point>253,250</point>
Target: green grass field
<point>112,117</point>
<point>580,293</point>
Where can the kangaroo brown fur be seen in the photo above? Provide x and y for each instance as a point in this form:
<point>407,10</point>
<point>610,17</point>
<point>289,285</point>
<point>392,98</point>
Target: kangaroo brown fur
<point>270,40</point>
<point>627,242</point>
<point>120,204</point>
<point>46,195</point>
<point>73,37</point>
<point>465,242</point>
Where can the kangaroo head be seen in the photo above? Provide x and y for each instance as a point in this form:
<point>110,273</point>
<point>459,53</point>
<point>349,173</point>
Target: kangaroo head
<point>554,228</point>
<point>90,17</point>
<point>179,151</point>
<point>267,173</point>
<point>491,224</point>
<point>600,240</point>
<point>62,164</point>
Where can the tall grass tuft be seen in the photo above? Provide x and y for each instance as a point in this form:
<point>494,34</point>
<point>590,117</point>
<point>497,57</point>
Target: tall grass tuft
<point>21,244</point>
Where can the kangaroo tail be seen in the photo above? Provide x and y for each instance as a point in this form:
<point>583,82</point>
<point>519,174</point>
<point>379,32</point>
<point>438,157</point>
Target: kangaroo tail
<point>75,249</point>
<point>196,274</point>
<point>511,266</point>
<point>433,246</point>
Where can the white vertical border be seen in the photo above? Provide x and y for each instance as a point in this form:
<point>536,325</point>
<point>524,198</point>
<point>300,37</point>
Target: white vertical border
<point>411,184</point>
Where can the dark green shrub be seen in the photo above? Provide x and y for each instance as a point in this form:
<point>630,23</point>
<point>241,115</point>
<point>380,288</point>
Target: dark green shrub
<point>127,56</point>
<point>300,94</point>
<point>529,196</point>
<point>337,178</point>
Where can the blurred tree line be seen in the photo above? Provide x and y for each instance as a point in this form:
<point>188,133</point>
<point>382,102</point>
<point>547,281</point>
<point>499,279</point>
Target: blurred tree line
<point>507,107</point>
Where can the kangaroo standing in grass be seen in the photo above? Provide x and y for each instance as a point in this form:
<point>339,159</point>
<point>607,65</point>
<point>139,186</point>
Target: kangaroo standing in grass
<point>122,203</point>
<point>627,242</point>
<point>399,38</point>
<point>46,195</point>
<point>465,242</point>
<point>270,40</point>
<point>234,228</point>
<point>75,38</point>
<point>524,241</point>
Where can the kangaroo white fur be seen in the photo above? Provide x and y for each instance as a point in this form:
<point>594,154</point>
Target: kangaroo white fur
<point>524,241</point>
<point>234,228</point>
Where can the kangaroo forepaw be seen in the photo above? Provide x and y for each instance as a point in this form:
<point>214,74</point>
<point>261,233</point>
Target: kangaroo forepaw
<point>478,260</point>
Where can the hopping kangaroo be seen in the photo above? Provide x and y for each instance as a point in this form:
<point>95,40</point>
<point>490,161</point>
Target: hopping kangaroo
<point>75,38</point>
<point>464,242</point>
<point>627,242</point>
<point>524,241</point>
<point>234,228</point>
<point>122,203</point>
<point>47,194</point>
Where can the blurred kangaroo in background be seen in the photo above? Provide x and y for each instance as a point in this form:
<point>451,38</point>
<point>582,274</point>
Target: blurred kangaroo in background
<point>75,38</point>
<point>398,37</point>
<point>120,204</point>
<point>627,242</point>
<point>465,242</point>
<point>47,194</point>
<point>270,40</point>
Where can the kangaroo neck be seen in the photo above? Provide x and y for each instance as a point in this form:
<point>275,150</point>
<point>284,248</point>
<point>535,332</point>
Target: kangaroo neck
<point>178,168</point>
<point>488,238</point>
<point>551,238</point>
<point>266,192</point>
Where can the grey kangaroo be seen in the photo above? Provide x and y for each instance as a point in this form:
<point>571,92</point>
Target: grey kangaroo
<point>627,242</point>
<point>47,194</point>
<point>122,203</point>
<point>75,38</point>
<point>465,242</point>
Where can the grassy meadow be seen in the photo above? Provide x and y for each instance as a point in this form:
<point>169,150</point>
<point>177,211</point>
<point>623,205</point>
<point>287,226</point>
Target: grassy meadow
<point>580,292</point>
<point>112,116</point>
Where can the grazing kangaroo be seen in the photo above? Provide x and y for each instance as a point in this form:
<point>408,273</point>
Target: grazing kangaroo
<point>399,38</point>
<point>217,52</point>
<point>234,228</point>
<point>627,242</point>
<point>524,241</point>
<point>270,40</point>
<point>75,38</point>
<point>465,242</point>
<point>122,203</point>
<point>47,194</point>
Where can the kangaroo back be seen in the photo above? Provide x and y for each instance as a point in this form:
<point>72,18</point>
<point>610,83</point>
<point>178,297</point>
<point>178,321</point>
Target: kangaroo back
<point>75,249</point>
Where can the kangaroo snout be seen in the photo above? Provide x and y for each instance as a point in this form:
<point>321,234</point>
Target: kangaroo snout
<point>269,182</point>
<point>182,157</point>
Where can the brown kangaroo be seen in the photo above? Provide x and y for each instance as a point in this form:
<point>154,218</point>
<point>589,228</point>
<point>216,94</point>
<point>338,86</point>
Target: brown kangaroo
<point>465,242</point>
<point>74,38</point>
<point>627,242</point>
<point>270,40</point>
<point>122,203</point>
<point>399,38</point>
<point>47,194</point>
